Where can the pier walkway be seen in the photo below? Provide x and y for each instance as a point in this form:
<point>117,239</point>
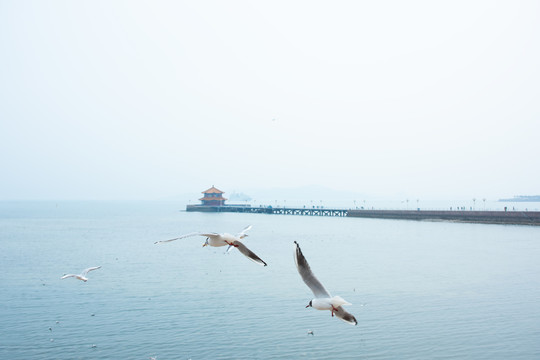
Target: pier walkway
<point>485,217</point>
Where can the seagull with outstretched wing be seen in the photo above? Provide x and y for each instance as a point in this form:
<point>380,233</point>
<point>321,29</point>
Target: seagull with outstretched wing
<point>82,275</point>
<point>323,300</point>
<point>217,240</point>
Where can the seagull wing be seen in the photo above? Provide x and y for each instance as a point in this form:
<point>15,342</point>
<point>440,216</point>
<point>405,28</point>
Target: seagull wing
<point>185,236</point>
<point>250,254</point>
<point>242,234</point>
<point>307,275</point>
<point>345,316</point>
<point>68,276</point>
<point>85,271</point>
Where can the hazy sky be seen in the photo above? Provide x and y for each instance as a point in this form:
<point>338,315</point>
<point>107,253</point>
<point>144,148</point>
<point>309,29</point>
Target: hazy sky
<point>144,100</point>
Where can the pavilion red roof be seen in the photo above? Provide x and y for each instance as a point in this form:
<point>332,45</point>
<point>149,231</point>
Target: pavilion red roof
<point>213,190</point>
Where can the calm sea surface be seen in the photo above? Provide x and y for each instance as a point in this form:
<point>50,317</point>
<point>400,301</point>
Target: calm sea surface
<point>420,290</point>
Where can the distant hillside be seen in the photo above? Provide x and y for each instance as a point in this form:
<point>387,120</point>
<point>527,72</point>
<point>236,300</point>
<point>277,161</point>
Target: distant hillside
<point>305,193</point>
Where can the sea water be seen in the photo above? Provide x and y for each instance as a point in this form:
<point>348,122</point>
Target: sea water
<point>419,290</point>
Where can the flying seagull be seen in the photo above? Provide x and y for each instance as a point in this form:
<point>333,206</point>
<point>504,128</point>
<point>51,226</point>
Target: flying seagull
<point>323,300</point>
<point>217,240</point>
<point>82,275</point>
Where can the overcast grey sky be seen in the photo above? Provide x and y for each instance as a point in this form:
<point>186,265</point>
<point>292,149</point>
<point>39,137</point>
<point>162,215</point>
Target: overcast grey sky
<point>144,100</point>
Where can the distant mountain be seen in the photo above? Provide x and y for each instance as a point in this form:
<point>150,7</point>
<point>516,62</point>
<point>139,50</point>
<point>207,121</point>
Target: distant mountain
<point>523,198</point>
<point>306,193</point>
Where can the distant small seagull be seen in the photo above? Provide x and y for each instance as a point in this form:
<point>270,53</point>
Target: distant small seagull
<point>310,332</point>
<point>93,346</point>
<point>217,240</point>
<point>323,300</point>
<point>81,276</point>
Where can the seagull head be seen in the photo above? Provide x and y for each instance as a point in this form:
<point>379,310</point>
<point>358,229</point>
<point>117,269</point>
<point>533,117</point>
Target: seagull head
<point>310,304</point>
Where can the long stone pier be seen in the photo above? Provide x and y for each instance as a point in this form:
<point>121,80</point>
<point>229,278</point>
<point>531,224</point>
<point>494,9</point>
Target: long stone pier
<point>270,210</point>
<point>485,217</point>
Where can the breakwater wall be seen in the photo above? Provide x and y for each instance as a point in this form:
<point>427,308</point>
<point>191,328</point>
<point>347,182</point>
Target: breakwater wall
<point>486,217</point>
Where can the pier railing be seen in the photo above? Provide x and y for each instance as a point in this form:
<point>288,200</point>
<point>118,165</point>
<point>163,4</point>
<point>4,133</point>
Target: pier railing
<point>270,210</point>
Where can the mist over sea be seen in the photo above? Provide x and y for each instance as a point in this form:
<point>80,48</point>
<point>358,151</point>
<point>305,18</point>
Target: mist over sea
<point>419,290</point>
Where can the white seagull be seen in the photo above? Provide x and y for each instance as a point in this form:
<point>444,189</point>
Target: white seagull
<point>217,240</point>
<point>82,275</point>
<point>323,300</point>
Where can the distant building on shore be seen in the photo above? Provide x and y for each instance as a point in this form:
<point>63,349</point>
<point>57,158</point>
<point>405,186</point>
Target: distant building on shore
<point>213,197</point>
<point>523,198</point>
